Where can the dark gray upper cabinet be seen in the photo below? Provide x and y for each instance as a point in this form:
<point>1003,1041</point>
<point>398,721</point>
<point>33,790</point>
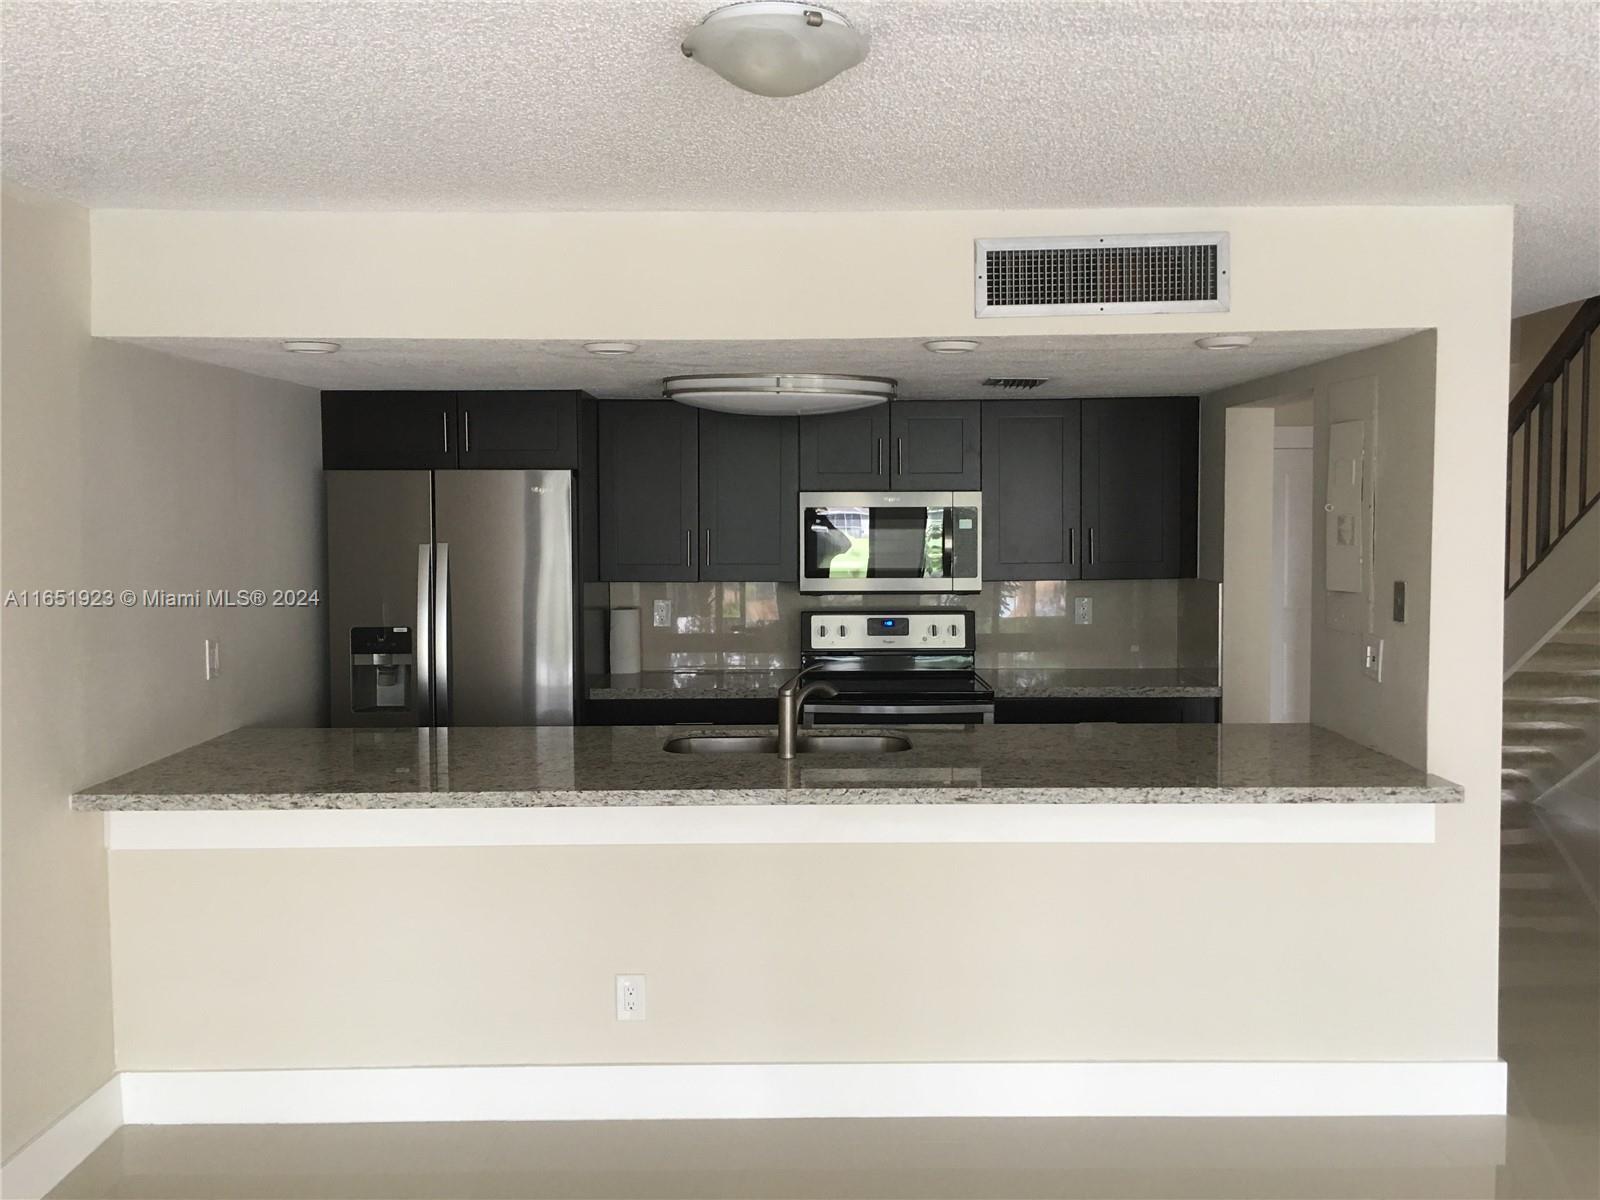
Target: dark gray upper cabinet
<point>388,430</point>
<point>523,430</point>
<point>1140,460</point>
<point>1030,489</point>
<point>845,452</point>
<point>748,492</point>
<point>649,466</point>
<point>935,444</point>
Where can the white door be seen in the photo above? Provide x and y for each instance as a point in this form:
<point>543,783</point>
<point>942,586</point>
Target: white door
<point>1291,582</point>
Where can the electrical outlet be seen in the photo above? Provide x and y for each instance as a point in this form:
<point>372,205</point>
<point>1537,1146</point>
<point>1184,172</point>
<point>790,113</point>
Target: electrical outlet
<point>1082,610</point>
<point>630,997</point>
<point>661,614</point>
<point>1372,659</point>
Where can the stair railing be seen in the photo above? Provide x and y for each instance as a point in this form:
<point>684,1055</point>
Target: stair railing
<point>1553,454</point>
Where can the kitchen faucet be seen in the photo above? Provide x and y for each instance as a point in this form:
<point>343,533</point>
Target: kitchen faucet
<point>791,696</point>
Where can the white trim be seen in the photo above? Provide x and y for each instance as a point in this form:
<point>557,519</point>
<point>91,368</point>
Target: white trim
<point>793,1090</point>
<point>50,1157</point>
<point>282,829</point>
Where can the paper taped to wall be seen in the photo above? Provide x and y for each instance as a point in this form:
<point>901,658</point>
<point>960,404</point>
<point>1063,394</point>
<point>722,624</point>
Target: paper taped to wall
<point>1342,504</point>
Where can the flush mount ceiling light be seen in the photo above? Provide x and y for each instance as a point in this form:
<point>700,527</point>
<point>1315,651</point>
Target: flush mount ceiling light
<point>950,346</point>
<point>610,349</point>
<point>778,395</point>
<point>310,347</point>
<point>1224,341</point>
<point>775,47</point>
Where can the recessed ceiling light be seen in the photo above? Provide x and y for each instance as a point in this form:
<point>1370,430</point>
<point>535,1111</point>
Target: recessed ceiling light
<point>775,47</point>
<point>310,347</point>
<point>949,346</point>
<point>1224,341</point>
<point>610,349</point>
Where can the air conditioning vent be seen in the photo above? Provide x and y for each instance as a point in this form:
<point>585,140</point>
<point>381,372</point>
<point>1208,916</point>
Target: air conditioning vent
<point>1145,273</point>
<point>1013,385</point>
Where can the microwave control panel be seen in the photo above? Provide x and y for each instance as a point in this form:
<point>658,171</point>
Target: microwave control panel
<point>913,631</point>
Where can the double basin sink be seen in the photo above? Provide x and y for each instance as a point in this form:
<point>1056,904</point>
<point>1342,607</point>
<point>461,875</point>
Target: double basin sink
<point>818,743</point>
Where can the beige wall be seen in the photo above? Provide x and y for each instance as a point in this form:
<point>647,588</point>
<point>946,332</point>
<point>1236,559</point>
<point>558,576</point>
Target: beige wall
<point>645,275</point>
<point>1531,339</point>
<point>122,469</point>
<point>1247,595</point>
<point>793,953</point>
<point>1392,388</point>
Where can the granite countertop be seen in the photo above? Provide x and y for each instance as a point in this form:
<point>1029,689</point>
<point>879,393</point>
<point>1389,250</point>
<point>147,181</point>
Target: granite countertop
<point>622,766</point>
<point>1034,683</point>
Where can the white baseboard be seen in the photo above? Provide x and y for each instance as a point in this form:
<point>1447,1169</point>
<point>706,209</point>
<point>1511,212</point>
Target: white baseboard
<point>1149,824</point>
<point>50,1157</point>
<point>792,1090</point>
<point>753,1090</point>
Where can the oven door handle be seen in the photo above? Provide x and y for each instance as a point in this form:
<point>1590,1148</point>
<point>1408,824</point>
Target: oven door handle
<point>903,710</point>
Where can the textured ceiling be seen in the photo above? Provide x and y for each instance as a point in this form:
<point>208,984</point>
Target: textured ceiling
<point>1103,365</point>
<point>587,104</point>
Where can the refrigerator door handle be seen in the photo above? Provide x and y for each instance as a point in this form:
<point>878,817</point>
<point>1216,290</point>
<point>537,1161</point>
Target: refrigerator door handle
<point>424,635</point>
<point>441,633</point>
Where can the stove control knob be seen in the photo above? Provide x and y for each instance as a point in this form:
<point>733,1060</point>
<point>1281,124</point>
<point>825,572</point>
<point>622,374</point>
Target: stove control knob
<point>933,631</point>
<point>955,631</point>
<point>822,630</point>
<point>842,632</point>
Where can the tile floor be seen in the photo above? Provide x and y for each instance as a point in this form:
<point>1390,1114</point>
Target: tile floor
<point>1547,1149</point>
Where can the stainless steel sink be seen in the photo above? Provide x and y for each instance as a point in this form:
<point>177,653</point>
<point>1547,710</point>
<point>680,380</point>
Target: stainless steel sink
<point>821,743</point>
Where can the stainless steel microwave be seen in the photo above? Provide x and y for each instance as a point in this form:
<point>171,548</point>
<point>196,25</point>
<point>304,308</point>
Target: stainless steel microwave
<point>891,541</point>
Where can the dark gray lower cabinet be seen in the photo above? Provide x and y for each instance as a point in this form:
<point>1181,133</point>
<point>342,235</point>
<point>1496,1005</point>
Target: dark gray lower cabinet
<point>649,467</point>
<point>1140,462</point>
<point>748,494</point>
<point>935,444</point>
<point>522,430</point>
<point>846,452</point>
<point>1030,489</point>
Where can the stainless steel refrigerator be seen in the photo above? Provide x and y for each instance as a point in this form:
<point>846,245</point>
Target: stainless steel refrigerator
<point>450,597</point>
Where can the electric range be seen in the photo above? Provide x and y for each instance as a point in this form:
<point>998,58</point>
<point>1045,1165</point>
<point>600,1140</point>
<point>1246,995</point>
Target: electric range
<point>895,667</point>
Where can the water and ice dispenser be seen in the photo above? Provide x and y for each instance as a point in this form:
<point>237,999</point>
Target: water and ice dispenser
<point>383,668</point>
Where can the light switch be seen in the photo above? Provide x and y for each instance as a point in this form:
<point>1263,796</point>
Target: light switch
<point>1372,659</point>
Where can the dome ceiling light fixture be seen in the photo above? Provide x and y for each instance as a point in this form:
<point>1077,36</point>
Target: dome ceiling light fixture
<point>611,349</point>
<point>1224,341</point>
<point>778,395</point>
<point>303,347</point>
<point>775,47</point>
<point>950,346</point>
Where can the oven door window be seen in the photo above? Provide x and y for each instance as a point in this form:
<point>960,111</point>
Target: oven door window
<point>875,543</point>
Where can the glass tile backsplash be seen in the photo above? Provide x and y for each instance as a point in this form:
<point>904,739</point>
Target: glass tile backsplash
<point>756,626</point>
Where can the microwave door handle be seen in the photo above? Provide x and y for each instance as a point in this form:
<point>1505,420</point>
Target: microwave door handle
<point>948,543</point>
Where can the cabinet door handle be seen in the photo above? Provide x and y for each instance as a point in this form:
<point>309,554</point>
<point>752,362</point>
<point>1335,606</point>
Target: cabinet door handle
<point>900,456</point>
<point>877,457</point>
<point>688,547</point>
<point>1091,545</point>
<point>708,546</point>
<point>1072,546</point>
<point>444,420</point>
<point>466,431</point>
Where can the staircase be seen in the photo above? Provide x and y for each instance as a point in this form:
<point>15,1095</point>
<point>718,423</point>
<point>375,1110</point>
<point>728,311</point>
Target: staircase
<point>1550,764</point>
<point>1551,729</point>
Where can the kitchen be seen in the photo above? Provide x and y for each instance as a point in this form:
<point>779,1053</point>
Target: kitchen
<point>500,824</point>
